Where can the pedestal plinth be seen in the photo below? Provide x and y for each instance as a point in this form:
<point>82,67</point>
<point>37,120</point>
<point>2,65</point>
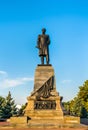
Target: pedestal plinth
<point>44,103</point>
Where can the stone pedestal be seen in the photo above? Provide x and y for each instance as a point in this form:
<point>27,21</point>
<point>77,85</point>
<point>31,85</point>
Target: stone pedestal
<point>44,103</point>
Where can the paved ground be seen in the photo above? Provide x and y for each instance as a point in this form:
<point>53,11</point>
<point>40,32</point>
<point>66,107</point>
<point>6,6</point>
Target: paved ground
<point>43,129</point>
<point>6,126</point>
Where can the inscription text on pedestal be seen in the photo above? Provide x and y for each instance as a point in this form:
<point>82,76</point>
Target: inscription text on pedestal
<point>44,104</point>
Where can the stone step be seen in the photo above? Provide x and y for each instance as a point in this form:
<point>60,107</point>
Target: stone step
<point>45,114</point>
<point>45,122</point>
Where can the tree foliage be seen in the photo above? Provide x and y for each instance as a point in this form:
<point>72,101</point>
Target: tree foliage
<point>7,107</point>
<point>79,105</point>
<point>2,100</point>
<point>83,94</point>
<point>20,112</point>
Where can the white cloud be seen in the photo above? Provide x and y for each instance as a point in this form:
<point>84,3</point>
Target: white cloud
<point>27,79</point>
<point>7,82</point>
<point>66,81</point>
<point>3,73</point>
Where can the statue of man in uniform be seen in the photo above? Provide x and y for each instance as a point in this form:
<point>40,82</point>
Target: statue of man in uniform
<point>43,46</point>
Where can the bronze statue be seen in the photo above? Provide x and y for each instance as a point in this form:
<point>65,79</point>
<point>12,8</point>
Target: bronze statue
<point>42,44</point>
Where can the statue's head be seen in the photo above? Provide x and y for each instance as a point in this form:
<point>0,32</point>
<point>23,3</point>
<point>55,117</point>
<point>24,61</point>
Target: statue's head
<point>43,31</point>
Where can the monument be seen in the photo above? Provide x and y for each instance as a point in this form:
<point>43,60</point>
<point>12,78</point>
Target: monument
<point>44,104</point>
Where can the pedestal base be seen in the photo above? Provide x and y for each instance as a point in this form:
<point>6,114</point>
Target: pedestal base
<point>44,104</point>
<point>47,109</point>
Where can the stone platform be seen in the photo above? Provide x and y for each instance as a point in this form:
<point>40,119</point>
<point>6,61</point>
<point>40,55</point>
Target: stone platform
<point>44,103</point>
<point>49,122</point>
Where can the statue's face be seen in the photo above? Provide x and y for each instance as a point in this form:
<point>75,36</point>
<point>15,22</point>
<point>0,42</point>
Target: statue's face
<point>43,31</point>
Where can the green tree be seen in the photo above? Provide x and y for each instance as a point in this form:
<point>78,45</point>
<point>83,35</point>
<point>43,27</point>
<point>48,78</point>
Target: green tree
<point>83,97</point>
<point>21,110</point>
<point>2,99</point>
<point>76,107</point>
<point>9,108</point>
<point>83,94</point>
<point>79,105</point>
<point>66,106</point>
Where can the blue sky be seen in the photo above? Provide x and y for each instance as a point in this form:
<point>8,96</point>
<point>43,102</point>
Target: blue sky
<point>21,21</point>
